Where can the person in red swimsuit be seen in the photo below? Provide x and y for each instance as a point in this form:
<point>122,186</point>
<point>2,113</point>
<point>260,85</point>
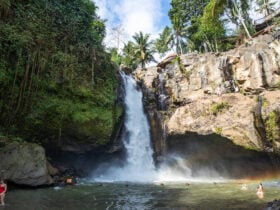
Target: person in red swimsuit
<point>3,189</point>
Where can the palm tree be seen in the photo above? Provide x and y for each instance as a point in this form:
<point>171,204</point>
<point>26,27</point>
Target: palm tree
<point>143,49</point>
<point>266,6</point>
<point>128,56</point>
<point>165,41</point>
<point>238,10</point>
<point>179,32</point>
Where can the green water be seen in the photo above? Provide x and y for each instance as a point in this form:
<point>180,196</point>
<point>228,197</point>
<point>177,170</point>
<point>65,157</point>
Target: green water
<point>130,196</point>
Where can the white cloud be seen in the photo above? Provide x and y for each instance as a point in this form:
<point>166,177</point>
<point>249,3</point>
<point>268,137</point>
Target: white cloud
<point>133,16</point>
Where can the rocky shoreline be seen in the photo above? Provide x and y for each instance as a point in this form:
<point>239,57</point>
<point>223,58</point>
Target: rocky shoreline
<point>273,205</point>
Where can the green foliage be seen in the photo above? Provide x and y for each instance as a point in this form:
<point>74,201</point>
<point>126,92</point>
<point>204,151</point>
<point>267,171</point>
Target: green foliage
<point>177,60</point>
<point>54,71</point>
<point>218,107</point>
<point>272,126</point>
<point>164,43</point>
<point>143,49</point>
<point>201,24</point>
<point>278,85</point>
<point>264,102</point>
<point>211,27</point>
<point>251,147</point>
<point>138,53</point>
<point>218,130</point>
<point>128,58</point>
<point>6,138</point>
<point>115,57</point>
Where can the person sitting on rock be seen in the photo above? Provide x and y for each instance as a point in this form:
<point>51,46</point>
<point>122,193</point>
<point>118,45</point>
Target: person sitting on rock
<point>3,189</point>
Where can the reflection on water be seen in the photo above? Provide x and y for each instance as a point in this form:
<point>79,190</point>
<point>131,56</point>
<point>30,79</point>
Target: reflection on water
<point>127,196</point>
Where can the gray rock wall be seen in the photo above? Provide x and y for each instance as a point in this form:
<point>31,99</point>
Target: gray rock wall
<point>231,94</point>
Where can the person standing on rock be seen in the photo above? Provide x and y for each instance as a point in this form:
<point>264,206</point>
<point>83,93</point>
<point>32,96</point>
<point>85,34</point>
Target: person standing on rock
<point>3,189</point>
<point>219,90</point>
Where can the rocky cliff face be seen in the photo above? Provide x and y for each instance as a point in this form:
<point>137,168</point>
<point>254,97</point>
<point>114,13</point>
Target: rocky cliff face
<point>233,94</point>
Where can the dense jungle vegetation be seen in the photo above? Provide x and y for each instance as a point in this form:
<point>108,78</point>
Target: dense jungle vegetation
<point>56,79</point>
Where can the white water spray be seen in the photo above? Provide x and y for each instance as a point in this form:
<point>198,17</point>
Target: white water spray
<point>139,166</point>
<point>139,152</point>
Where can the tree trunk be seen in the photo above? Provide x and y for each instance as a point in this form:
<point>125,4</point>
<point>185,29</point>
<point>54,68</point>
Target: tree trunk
<point>239,15</point>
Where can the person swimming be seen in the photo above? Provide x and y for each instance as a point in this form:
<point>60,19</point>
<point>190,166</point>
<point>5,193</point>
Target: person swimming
<point>260,191</point>
<point>244,187</point>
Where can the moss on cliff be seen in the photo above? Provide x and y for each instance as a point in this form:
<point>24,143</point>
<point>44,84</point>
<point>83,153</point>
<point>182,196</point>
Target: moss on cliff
<point>218,107</point>
<point>272,126</point>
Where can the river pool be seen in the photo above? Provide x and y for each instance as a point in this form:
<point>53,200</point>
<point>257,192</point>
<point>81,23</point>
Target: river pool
<point>130,196</point>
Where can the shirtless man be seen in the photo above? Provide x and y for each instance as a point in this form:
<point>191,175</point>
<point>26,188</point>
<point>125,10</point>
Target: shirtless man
<point>260,192</point>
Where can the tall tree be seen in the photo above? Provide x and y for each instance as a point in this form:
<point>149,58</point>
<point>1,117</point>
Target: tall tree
<point>237,11</point>
<point>265,6</point>
<point>50,54</point>
<point>128,55</point>
<point>211,27</point>
<point>184,16</point>
<point>143,48</point>
<point>165,41</point>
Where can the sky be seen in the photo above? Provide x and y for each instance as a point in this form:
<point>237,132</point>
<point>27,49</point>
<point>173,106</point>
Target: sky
<point>132,16</point>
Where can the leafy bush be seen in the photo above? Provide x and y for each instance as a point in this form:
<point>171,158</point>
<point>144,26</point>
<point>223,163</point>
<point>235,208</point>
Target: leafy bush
<point>278,85</point>
<point>218,130</point>
<point>218,107</point>
<point>272,126</point>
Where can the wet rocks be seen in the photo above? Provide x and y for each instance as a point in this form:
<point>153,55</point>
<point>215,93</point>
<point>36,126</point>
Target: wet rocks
<point>273,205</point>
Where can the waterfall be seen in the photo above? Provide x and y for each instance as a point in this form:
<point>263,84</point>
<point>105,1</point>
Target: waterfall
<point>137,142</point>
<point>139,164</point>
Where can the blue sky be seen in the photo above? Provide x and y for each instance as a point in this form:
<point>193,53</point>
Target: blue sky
<point>131,16</point>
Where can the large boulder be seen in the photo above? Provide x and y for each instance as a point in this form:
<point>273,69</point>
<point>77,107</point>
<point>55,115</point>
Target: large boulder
<point>24,164</point>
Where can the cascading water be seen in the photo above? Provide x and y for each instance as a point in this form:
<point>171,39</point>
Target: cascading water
<point>139,164</point>
<point>139,151</point>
